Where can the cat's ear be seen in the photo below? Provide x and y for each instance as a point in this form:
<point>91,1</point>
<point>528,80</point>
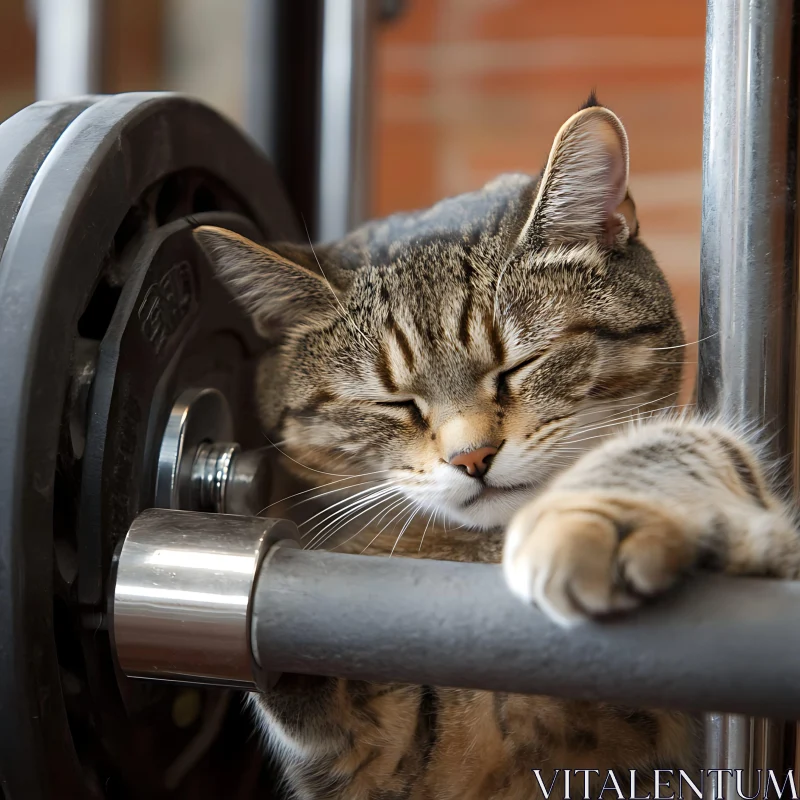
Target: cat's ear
<point>274,290</point>
<point>583,193</point>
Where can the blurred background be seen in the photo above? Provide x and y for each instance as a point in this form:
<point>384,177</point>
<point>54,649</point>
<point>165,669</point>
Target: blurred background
<point>460,90</point>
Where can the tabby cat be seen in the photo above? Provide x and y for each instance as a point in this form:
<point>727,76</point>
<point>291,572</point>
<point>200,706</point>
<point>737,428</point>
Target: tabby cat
<point>459,383</point>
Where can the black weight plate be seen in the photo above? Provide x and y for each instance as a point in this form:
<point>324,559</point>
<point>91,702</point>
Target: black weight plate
<point>58,258</point>
<point>173,328</point>
<point>25,140</point>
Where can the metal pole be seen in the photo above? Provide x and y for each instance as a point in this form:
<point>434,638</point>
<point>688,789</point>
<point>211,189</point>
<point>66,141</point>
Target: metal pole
<point>261,78</point>
<point>441,623</point>
<point>309,92</point>
<point>748,323</point>
<point>283,59</point>
<point>347,34</point>
<point>68,48</point>
<point>185,581</point>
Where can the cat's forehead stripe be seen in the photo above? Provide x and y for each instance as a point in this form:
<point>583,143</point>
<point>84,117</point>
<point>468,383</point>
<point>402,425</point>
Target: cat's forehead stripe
<point>495,339</point>
<point>402,340</point>
<point>466,308</point>
<point>384,370</point>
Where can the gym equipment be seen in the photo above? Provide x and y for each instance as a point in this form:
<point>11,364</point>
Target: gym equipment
<point>748,320</point>
<point>25,140</point>
<point>108,315</point>
<point>182,596</point>
<point>184,579</point>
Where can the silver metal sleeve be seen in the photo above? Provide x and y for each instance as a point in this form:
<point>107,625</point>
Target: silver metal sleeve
<point>182,596</point>
<point>717,643</point>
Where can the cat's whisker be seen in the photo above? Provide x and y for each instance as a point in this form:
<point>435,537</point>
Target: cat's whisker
<point>393,506</point>
<point>414,511</point>
<point>272,445</point>
<point>614,403</point>
<point>333,491</point>
<point>620,422</point>
<point>428,507</point>
<point>322,486</point>
<point>377,505</point>
<point>587,439</point>
<point>371,345</point>
<point>623,414</point>
<point>408,510</point>
<point>660,413</point>
<point>357,502</point>
<point>617,423</point>
<point>352,513</point>
<point>349,499</point>
<point>619,408</point>
<point>687,344</point>
<point>375,519</point>
<point>399,513</point>
<point>550,454</point>
<point>305,466</point>
<point>664,397</point>
<point>602,407</point>
<point>355,509</point>
<point>566,454</point>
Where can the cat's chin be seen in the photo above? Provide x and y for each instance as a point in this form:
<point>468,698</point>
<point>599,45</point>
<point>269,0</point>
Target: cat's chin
<point>492,508</point>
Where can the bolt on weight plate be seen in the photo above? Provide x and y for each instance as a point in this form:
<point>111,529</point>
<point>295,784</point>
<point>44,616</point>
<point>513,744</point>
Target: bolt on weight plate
<point>198,416</point>
<point>121,170</point>
<point>200,469</point>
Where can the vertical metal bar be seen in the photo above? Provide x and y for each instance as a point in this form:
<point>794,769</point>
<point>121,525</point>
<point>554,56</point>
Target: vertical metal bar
<point>748,318</point>
<point>309,91</point>
<point>749,190</point>
<point>347,35</point>
<point>68,48</point>
<point>283,57</point>
<point>261,78</point>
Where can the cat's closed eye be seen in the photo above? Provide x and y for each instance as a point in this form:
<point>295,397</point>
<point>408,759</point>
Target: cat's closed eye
<point>410,405</point>
<point>502,377</point>
<point>397,403</point>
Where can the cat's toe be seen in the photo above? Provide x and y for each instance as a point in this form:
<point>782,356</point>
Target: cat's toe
<point>652,557</point>
<point>580,557</point>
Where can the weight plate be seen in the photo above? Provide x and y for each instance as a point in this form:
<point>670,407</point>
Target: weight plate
<point>174,328</point>
<point>126,167</point>
<point>25,140</point>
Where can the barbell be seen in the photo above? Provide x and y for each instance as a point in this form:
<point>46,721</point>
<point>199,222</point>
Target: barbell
<point>134,471</point>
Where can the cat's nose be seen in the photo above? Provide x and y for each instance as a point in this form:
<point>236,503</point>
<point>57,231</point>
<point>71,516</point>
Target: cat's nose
<point>474,462</point>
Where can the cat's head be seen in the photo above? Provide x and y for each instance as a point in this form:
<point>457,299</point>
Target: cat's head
<point>461,355</point>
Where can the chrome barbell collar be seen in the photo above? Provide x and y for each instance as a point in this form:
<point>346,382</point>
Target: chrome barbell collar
<point>183,590</point>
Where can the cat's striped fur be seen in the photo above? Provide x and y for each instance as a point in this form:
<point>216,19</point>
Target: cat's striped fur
<point>530,317</point>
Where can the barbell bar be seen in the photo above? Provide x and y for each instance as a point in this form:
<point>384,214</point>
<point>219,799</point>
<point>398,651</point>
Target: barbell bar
<point>233,601</point>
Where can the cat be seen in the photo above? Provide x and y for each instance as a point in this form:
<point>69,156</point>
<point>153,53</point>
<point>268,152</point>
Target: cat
<point>477,366</point>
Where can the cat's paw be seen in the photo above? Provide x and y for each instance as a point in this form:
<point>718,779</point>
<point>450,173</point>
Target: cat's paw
<point>578,555</point>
